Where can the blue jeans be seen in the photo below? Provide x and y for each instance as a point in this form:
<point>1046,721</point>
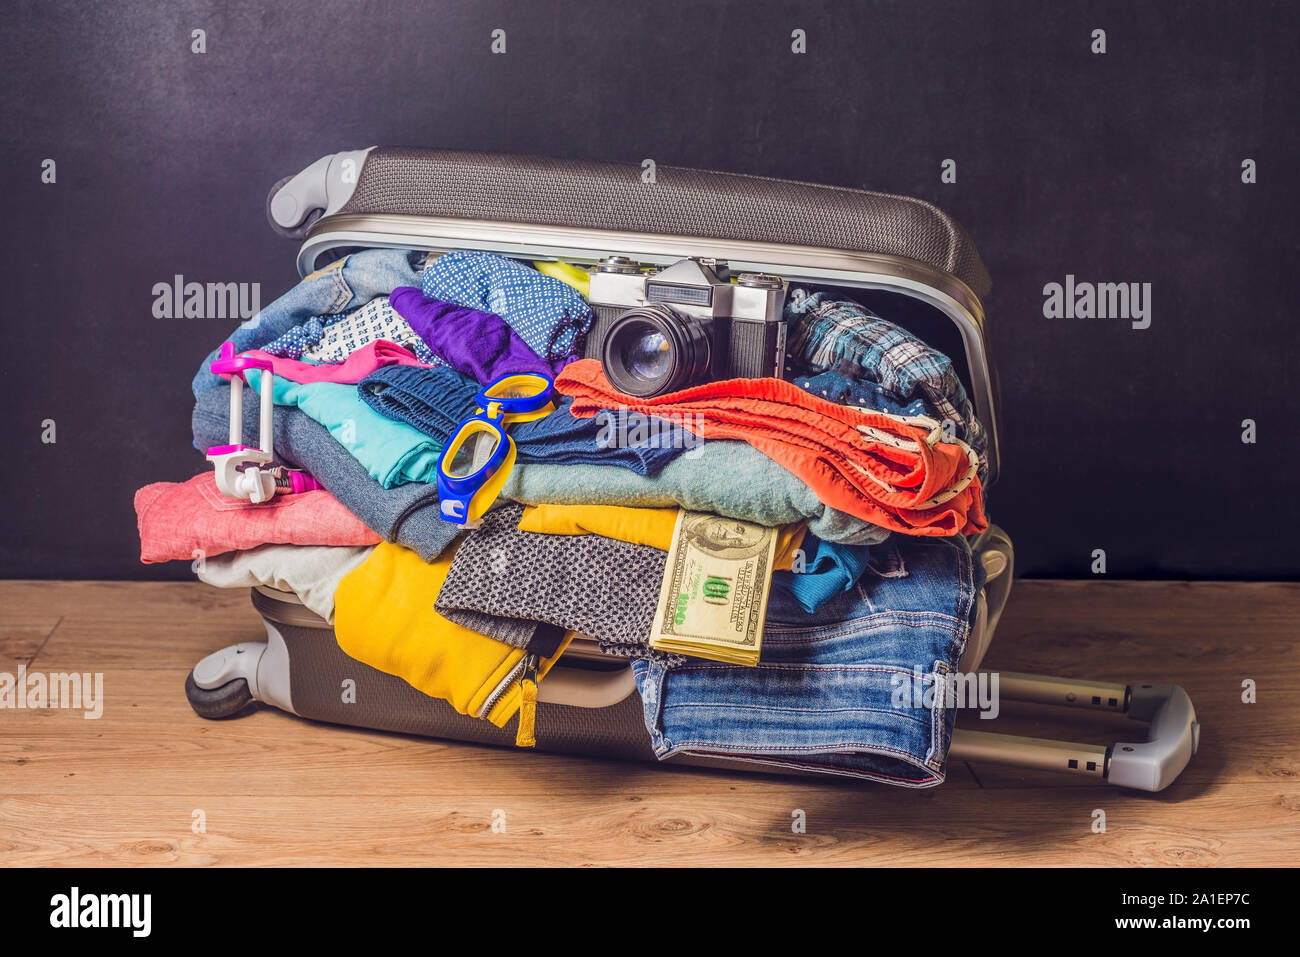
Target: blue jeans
<point>838,691</point>
<point>344,284</point>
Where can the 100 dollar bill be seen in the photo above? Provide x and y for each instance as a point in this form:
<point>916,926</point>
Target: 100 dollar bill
<point>714,593</point>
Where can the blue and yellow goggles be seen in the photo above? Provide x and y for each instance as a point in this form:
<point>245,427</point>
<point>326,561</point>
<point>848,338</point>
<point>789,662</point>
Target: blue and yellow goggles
<point>477,460</point>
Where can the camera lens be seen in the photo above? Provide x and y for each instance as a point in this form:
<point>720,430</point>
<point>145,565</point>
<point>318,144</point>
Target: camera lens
<point>652,350</point>
<point>648,358</point>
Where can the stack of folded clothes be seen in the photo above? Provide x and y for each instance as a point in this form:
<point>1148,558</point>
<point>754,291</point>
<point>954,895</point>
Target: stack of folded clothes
<point>867,460</point>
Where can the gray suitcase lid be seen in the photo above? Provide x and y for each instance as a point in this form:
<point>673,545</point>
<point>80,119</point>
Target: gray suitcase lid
<point>540,208</point>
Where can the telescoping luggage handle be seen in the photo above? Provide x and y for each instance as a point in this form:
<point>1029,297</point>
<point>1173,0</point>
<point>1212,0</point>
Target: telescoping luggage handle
<point>1173,734</point>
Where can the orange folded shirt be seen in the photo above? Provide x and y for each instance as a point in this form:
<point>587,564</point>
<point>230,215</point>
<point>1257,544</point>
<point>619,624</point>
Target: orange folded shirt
<point>895,474</point>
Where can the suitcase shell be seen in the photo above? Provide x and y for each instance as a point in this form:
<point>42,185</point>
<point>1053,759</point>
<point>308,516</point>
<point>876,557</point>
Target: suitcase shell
<point>894,253</point>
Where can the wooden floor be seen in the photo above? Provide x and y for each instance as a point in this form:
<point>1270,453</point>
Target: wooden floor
<point>276,790</point>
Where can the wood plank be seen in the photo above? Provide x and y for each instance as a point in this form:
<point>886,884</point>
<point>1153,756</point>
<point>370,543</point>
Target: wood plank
<point>551,820</point>
<point>146,625</point>
<point>280,790</point>
<point>21,636</point>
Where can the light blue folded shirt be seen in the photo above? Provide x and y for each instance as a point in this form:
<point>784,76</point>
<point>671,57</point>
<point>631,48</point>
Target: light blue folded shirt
<point>833,568</point>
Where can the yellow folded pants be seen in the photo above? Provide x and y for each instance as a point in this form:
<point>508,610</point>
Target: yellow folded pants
<point>640,526</point>
<point>384,617</point>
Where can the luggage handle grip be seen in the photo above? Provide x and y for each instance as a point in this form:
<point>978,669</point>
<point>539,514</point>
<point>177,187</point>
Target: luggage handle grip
<point>1172,738</point>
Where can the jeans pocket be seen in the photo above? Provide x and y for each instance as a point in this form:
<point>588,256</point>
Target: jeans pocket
<point>886,561</point>
<point>336,266</point>
<point>343,293</point>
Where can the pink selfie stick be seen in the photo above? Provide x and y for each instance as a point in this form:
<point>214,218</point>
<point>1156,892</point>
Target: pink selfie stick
<point>240,471</point>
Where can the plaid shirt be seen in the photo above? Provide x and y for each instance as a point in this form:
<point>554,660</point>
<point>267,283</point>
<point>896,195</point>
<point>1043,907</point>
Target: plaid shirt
<point>842,336</point>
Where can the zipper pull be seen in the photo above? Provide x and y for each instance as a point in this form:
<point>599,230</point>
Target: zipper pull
<point>525,736</point>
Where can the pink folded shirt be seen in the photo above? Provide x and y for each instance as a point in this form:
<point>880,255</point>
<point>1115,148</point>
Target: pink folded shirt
<point>186,520</point>
<point>358,365</point>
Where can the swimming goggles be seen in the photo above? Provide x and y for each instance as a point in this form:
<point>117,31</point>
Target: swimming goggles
<point>477,460</point>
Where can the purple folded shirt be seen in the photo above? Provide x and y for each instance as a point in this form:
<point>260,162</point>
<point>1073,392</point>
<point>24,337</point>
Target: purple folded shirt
<point>474,343</point>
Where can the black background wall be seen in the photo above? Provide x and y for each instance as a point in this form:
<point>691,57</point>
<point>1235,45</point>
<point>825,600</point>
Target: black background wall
<point>1117,167</point>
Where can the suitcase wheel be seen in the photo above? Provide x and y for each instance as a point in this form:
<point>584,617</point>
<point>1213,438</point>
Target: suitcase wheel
<point>224,702</point>
<point>297,232</point>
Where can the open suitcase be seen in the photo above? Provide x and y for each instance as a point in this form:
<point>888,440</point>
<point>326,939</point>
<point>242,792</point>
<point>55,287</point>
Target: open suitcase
<point>902,257</point>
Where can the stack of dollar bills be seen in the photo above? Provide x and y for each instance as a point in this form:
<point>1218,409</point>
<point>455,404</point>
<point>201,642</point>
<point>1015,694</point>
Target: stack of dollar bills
<point>714,593</point>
